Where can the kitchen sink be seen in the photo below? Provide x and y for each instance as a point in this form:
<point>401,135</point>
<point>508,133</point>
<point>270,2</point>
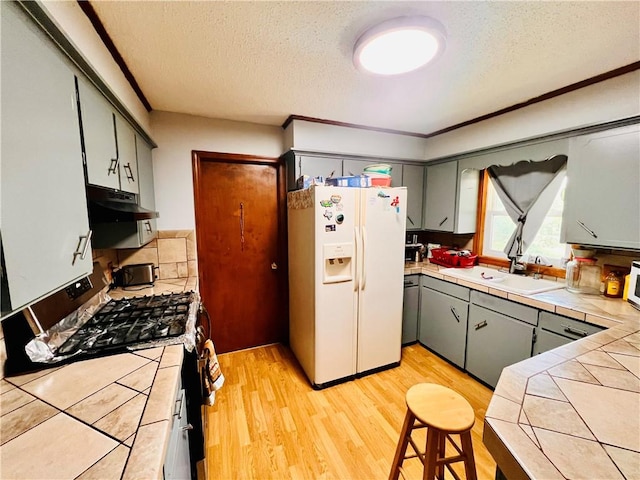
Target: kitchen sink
<point>503,281</point>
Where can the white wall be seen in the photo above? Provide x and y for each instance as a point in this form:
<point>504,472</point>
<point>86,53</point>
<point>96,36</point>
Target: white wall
<point>320,137</point>
<point>177,135</point>
<point>72,20</point>
<point>612,99</point>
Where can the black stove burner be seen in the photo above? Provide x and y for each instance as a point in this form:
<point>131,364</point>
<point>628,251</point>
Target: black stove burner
<point>130,321</point>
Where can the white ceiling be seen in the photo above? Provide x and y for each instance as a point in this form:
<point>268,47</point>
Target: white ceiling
<point>263,61</point>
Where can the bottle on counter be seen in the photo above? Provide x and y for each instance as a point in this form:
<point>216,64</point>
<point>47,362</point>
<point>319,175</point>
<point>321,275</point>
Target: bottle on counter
<point>613,285</point>
<point>627,281</point>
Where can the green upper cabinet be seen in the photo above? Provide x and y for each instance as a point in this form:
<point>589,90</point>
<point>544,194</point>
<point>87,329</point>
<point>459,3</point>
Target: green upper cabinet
<point>602,198</point>
<point>311,165</point>
<point>109,142</point>
<point>127,162</point>
<point>45,226</point>
<point>413,179</point>
<point>440,197</point>
<point>146,228</point>
<point>451,198</point>
<point>98,122</point>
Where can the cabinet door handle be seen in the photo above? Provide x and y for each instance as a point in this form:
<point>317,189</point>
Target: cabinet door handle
<point>187,427</point>
<point>443,220</point>
<point>127,167</point>
<point>455,314</point>
<point>148,227</point>
<point>480,325</point>
<point>178,410</point>
<point>113,166</point>
<point>82,253</point>
<point>574,331</point>
<point>588,230</point>
<point>409,218</point>
<point>408,283</point>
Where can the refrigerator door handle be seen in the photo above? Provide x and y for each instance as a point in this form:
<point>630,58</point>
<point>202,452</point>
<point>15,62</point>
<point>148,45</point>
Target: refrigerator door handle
<point>363,281</point>
<point>354,263</point>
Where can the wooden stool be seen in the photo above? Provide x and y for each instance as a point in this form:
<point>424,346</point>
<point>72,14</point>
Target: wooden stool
<point>442,412</point>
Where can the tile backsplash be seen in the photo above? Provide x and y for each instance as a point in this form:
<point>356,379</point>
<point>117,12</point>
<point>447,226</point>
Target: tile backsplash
<point>173,252</point>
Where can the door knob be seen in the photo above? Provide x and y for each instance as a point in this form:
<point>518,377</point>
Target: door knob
<point>274,266</point>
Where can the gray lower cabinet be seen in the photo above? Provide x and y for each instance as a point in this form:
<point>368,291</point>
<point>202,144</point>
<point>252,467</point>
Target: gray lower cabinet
<point>45,226</point>
<point>410,309</point>
<point>443,318</point>
<point>495,341</point>
<point>602,195</point>
<point>413,179</point>
<point>555,330</point>
<point>176,464</point>
<point>545,341</point>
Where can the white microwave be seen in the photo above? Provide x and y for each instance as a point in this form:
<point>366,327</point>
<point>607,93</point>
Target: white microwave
<point>634,285</point>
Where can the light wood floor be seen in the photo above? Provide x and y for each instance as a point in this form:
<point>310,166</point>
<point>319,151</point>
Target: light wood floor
<point>268,423</point>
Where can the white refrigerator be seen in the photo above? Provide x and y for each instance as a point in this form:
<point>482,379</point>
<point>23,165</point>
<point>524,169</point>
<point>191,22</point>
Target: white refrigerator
<point>346,268</point>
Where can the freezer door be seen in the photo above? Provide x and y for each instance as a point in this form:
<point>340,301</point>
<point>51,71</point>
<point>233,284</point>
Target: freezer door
<point>336,288</point>
<point>380,280</point>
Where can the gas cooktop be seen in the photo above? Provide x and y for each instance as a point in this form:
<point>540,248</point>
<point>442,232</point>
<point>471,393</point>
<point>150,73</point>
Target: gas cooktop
<point>128,322</point>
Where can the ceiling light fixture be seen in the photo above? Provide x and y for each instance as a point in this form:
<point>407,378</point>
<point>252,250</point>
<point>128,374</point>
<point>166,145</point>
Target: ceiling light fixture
<point>399,45</point>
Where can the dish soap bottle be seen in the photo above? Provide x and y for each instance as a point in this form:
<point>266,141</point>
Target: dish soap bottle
<point>613,285</point>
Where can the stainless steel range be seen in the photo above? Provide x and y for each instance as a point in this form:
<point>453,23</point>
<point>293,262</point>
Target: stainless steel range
<point>82,321</point>
<point>131,322</point>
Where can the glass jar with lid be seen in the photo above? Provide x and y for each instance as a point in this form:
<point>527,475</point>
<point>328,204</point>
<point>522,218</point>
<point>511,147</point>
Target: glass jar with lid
<point>583,275</point>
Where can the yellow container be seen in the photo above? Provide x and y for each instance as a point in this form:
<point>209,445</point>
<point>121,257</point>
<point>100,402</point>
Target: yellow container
<point>625,292</point>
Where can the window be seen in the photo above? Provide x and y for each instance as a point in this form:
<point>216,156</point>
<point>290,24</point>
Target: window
<point>498,228</point>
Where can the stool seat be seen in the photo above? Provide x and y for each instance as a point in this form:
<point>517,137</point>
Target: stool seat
<point>443,413</point>
<point>440,407</point>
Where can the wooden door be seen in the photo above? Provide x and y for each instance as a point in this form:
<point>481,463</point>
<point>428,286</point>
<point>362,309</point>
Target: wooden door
<point>239,204</point>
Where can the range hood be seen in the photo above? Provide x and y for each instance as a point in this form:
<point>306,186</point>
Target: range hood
<point>109,206</point>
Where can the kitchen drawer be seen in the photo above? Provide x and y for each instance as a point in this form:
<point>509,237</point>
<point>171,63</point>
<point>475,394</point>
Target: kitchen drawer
<point>445,287</point>
<point>505,307</point>
<point>567,327</point>
<point>412,280</point>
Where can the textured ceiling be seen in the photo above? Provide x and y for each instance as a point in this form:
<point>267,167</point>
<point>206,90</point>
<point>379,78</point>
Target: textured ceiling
<point>263,61</point>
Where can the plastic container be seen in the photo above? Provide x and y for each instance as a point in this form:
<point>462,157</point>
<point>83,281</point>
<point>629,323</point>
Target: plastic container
<point>362,181</point>
<point>383,168</point>
<point>451,258</point>
<point>379,179</point>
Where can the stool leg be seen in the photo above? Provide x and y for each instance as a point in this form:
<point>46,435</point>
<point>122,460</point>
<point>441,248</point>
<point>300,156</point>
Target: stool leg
<point>431,453</point>
<point>441,454</point>
<point>469,461</point>
<point>401,449</point>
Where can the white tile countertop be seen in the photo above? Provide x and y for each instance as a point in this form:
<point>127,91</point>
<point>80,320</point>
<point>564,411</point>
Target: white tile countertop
<point>574,411</point>
<point>106,417</point>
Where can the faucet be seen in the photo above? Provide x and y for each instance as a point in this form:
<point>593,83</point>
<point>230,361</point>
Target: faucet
<point>515,266</point>
<point>538,262</point>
